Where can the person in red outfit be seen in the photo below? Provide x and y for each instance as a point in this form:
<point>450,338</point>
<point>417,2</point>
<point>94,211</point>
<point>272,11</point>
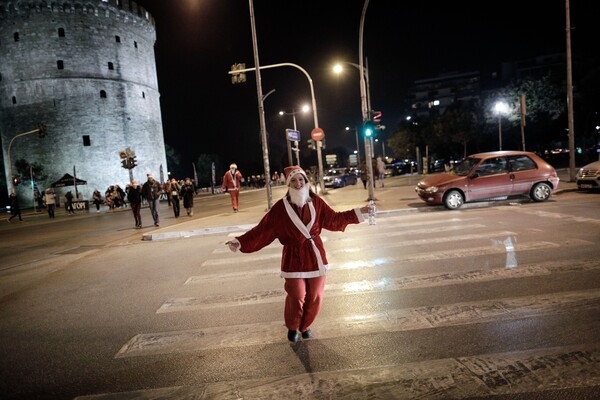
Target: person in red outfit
<point>232,181</point>
<point>296,221</point>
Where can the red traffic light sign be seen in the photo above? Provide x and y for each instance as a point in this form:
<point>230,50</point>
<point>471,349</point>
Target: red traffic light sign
<point>317,134</point>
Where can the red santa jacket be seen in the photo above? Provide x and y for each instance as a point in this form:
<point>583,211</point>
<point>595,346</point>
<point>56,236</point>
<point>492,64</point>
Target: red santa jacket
<point>298,230</point>
<point>229,182</point>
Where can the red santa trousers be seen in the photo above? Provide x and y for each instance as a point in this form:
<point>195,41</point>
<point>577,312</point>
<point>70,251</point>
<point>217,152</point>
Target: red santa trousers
<point>235,198</point>
<point>303,301</point>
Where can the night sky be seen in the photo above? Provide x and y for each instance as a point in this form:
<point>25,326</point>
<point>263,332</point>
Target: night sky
<point>199,40</point>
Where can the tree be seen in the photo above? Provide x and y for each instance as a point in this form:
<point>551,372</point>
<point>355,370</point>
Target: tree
<point>204,169</point>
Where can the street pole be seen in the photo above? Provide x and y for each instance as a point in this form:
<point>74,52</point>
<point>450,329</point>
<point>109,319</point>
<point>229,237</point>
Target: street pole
<point>571,123</point>
<point>364,104</point>
<point>499,132</point>
<point>314,106</point>
<point>9,175</point>
<point>261,109</point>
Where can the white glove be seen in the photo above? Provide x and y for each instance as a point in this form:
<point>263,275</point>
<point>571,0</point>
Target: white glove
<point>233,245</point>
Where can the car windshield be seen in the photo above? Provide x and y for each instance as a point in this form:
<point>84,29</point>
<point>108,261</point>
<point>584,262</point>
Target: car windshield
<point>465,166</point>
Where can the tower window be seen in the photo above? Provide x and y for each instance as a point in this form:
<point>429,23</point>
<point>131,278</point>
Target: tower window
<point>60,64</point>
<point>110,66</point>
<point>118,39</point>
<point>16,36</point>
<point>61,32</point>
<point>135,44</point>
<point>86,140</point>
<point>143,95</point>
<point>14,100</point>
<point>102,94</point>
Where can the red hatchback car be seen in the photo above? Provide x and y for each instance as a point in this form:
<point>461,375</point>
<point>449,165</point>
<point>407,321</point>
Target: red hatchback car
<point>494,175</point>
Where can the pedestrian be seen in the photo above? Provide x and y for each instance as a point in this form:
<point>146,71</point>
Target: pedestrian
<point>187,193</point>
<point>231,183</point>
<point>97,199</point>
<point>50,202</point>
<point>364,177</point>
<point>296,221</point>
<point>134,196</point>
<point>69,203</point>
<point>173,192</point>
<point>15,209</point>
<point>151,192</point>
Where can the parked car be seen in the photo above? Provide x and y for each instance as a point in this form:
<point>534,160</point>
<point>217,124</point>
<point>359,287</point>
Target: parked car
<point>339,177</point>
<point>494,175</point>
<point>588,176</point>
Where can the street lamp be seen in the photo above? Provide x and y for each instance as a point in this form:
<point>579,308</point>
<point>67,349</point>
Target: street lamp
<point>305,108</point>
<point>500,108</point>
<point>41,131</point>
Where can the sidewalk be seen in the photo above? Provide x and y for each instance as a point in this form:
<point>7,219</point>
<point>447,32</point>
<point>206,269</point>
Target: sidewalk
<point>398,196</point>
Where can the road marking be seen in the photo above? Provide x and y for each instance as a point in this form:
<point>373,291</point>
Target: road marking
<point>508,373</point>
<point>398,320</point>
<point>180,304</point>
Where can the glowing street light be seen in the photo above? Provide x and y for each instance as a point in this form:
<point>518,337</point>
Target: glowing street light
<point>500,108</point>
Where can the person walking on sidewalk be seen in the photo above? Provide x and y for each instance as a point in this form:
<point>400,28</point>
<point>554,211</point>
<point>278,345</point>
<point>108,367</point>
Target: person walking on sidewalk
<point>296,221</point>
<point>69,203</point>
<point>50,202</point>
<point>134,196</point>
<point>231,183</point>
<point>15,208</point>
<point>151,192</point>
<point>187,192</point>
<point>173,191</point>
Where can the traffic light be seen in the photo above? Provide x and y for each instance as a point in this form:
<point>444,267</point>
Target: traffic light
<point>16,180</point>
<point>376,116</point>
<point>132,162</point>
<point>312,144</point>
<point>125,163</point>
<point>368,129</point>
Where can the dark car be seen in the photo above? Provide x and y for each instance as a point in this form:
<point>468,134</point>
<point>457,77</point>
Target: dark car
<point>339,177</point>
<point>588,177</point>
<point>494,175</point>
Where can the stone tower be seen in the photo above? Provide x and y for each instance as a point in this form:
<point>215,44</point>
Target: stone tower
<point>85,69</point>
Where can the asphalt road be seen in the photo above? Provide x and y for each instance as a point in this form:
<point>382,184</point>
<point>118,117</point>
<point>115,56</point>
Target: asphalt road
<point>497,301</point>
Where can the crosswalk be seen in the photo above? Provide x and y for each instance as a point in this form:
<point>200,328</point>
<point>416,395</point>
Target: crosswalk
<point>385,261</point>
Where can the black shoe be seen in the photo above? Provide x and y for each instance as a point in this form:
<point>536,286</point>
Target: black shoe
<point>156,224</point>
<point>292,336</point>
<point>307,334</point>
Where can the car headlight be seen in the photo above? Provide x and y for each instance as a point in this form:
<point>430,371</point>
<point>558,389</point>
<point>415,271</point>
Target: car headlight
<point>432,189</point>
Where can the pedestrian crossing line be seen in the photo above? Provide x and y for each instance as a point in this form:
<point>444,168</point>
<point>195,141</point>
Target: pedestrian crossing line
<point>181,304</point>
<point>276,255</point>
<point>507,373</point>
<point>561,216</point>
<point>408,232</point>
<point>399,320</point>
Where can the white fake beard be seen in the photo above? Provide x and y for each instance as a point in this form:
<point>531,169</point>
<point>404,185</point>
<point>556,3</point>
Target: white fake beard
<point>300,196</point>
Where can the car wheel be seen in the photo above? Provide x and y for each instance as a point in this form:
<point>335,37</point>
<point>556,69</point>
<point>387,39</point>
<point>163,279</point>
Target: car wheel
<point>541,192</point>
<point>453,200</point>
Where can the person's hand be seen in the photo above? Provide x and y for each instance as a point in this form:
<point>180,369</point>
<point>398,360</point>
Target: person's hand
<point>233,246</point>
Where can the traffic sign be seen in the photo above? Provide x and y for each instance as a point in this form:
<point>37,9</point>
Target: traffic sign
<point>293,135</point>
<point>317,134</point>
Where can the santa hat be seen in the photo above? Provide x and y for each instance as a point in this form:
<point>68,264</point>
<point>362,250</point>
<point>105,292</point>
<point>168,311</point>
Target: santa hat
<point>234,166</point>
<point>291,171</point>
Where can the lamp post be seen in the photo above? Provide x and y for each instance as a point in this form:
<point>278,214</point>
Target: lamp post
<point>305,108</point>
<point>41,131</point>
<point>314,108</point>
<point>500,108</point>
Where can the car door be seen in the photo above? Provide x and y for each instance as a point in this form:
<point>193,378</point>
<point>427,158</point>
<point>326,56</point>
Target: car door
<point>523,172</point>
<point>490,180</point>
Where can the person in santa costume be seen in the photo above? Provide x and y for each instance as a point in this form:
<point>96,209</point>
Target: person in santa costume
<point>232,181</point>
<point>296,221</point>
